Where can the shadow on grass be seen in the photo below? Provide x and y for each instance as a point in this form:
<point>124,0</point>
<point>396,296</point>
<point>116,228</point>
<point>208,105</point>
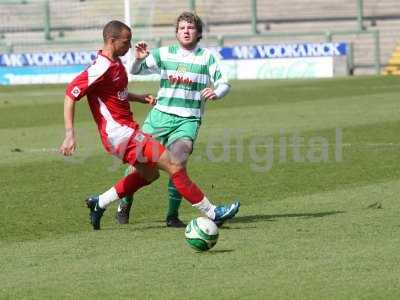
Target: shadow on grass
<point>220,251</point>
<point>148,227</point>
<point>239,220</point>
<point>272,218</point>
<point>214,252</point>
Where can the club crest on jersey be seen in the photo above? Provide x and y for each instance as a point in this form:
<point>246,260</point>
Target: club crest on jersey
<point>75,91</point>
<point>181,69</point>
<point>139,137</point>
<point>123,95</point>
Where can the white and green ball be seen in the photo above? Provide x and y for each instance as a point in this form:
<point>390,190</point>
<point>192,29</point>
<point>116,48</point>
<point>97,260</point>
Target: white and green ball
<point>201,234</point>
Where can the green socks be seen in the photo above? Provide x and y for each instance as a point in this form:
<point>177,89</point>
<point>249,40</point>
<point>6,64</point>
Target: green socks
<point>128,199</point>
<point>174,200</point>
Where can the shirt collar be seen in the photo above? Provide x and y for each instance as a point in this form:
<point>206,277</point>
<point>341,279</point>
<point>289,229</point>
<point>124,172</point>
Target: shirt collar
<point>186,52</point>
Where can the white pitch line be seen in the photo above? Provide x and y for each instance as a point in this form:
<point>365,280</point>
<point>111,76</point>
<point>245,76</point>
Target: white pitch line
<point>367,145</point>
<point>276,145</point>
<point>34,94</point>
<point>44,150</point>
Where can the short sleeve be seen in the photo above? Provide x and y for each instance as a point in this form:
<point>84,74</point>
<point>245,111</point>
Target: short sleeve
<point>88,79</point>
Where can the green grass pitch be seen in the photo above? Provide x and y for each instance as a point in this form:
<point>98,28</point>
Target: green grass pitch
<point>315,164</point>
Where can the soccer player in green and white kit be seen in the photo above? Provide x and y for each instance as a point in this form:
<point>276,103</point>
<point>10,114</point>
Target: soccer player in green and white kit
<point>190,75</point>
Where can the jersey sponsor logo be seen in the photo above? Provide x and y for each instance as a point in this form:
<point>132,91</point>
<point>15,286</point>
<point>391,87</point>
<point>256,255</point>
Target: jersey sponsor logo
<point>179,80</point>
<point>76,91</point>
<point>123,95</point>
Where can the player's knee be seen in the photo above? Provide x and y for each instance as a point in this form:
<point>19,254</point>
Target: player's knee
<point>169,165</point>
<point>151,175</point>
<point>180,151</point>
<point>154,176</point>
<point>172,166</point>
<point>176,166</point>
<point>147,171</point>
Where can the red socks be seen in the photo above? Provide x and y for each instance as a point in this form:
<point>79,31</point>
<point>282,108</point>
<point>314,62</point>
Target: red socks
<point>130,184</point>
<point>186,187</point>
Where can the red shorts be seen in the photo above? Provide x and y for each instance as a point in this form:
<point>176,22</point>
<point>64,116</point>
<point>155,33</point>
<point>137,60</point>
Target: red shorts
<point>142,148</point>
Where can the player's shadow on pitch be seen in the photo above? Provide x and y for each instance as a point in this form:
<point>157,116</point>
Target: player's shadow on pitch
<point>272,218</point>
<point>219,251</point>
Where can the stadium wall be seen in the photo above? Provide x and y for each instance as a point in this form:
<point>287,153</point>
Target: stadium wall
<point>312,60</point>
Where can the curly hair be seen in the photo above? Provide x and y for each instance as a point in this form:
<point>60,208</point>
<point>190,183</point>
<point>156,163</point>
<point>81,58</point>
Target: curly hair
<point>190,18</point>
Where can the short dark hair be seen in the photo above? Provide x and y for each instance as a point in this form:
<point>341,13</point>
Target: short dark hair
<point>113,29</point>
<point>190,18</point>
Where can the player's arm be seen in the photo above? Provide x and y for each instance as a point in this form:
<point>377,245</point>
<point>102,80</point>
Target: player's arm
<point>219,80</point>
<point>142,98</point>
<point>219,92</point>
<point>77,89</point>
<point>145,62</point>
<point>68,146</point>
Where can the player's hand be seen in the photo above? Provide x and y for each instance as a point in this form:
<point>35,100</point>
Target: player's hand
<point>68,146</point>
<point>209,94</point>
<point>141,50</point>
<point>150,99</point>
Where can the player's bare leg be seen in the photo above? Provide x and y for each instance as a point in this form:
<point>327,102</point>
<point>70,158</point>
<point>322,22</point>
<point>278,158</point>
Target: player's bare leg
<point>180,151</point>
<point>124,207</point>
<point>191,192</point>
<point>134,181</point>
<point>128,185</point>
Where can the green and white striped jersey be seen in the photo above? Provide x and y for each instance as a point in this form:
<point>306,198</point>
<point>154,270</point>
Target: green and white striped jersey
<point>183,75</point>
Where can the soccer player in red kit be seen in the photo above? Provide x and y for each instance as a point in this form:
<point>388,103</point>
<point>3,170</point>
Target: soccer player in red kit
<point>105,84</point>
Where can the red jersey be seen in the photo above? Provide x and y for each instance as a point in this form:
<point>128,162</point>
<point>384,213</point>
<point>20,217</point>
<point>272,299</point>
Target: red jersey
<point>105,83</point>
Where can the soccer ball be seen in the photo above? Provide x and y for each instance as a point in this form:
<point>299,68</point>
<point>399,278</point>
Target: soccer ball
<point>201,234</point>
